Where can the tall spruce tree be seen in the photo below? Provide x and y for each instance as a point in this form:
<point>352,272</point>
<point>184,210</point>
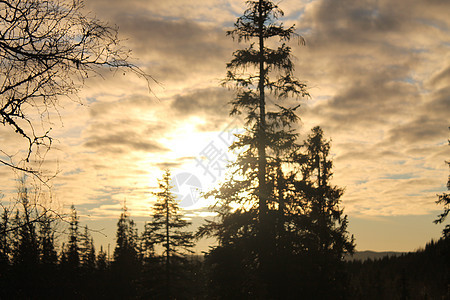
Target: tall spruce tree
<point>169,231</point>
<point>266,94</point>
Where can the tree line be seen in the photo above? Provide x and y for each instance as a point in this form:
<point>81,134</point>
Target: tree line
<point>33,266</point>
<point>310,245</point>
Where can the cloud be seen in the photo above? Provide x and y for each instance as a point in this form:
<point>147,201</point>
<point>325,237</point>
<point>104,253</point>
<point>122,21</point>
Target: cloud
<point>378,72</point>
<point>210,104</point>
<point>125,141</point>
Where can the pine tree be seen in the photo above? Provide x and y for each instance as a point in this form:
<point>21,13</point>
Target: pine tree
<point>126,243</point>
<point>321,229</point>
<point>102,260</point>
<point>444,199</point>
<point>72,253</point>
<point>126,264</point>
<point>248,203</point>
<point>169,231</point>
<point>25,247</point>
<point>48,257</point>
<point>26,252</point>
<point>5,252</point>
<point>4,240</point>
<point>87,251</point>
<point>47,251</point>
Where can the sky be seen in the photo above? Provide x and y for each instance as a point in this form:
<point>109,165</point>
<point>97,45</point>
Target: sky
<point>378,73</point>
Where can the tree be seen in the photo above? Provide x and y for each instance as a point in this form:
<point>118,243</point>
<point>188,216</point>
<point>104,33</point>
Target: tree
<point>102,260</point>
<point>47,49</point>
<point>26,252</point>
<point>87,251</point>
<point>266,90</point>
<point>126,264</point>
<point>169,231</point>
<point>71,253</point>
<point>47,251</point>
<point>5,252</point>
<point>4,240</point>
<point>322,227</point>
<point>444,199</point>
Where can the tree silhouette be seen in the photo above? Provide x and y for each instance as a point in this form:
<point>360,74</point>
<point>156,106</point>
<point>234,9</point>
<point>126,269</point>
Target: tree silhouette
<point>126,264</point>
<point>71,255</point>
<point>47,49</point>
<point>444,199</point>
<point>5,249</point>
<point>47,249</point>
<point>26,252</point>
<point>169,230</point>
<point>321,229</point>
<point>87,251</point>
<point>266,90</point>
<point>102,260</point>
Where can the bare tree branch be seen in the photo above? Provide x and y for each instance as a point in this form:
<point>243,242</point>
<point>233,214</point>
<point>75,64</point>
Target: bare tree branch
<point>47,49</point>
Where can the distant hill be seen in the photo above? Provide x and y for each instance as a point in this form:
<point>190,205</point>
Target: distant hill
<point>365,255</point>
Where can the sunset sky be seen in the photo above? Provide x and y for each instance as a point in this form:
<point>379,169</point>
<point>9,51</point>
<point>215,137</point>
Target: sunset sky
<point>379,77</point>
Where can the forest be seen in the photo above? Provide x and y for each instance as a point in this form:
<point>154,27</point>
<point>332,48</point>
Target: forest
<point>35,264</point>
<point>279,224</point>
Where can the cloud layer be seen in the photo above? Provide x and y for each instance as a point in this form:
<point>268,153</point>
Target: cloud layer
<point>378,73</point>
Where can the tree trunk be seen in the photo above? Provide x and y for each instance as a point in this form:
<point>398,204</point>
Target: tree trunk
<point>262,160</point>
<point>167,251</point>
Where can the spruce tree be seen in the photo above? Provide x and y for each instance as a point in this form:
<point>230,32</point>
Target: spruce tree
<point>126,264</point>
<point>267,95</point>
<point>87,251</point>
<point>47,249</point>
<point>444,199</point>
<point>102,260</point>
<point>72,253</point>
<point>5,252</point>
<point>320,230</point>
<point>5,247</point>
<point>26,251</point>
<point>169,231</point>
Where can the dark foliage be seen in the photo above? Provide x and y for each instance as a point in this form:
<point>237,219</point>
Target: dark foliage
<point>444,199</point>
<point>424,274</point>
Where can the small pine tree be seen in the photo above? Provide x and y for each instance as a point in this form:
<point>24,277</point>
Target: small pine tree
<point>26,251</point>
<point>4,239</point>
<point>72,253</point>
<point>47,251</point>
<point>126,263</point>
<point>126,252</point>
<point>102,260</point>
<point>87,251</point>
<point>444,199</point>
<point>169,230</point>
